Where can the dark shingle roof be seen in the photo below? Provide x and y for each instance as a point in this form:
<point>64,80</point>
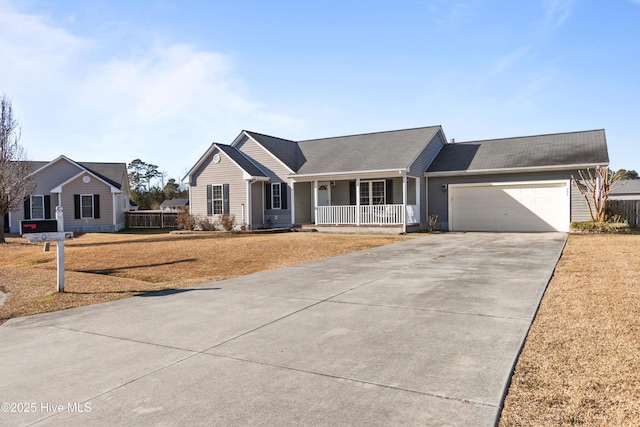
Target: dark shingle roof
<point>175,202</point>
<point>365,152</point>
<point>627,186</point>
<point>113,173</point>
<point>242,160</point>
<point>285,150</point>
<point>574,148</point>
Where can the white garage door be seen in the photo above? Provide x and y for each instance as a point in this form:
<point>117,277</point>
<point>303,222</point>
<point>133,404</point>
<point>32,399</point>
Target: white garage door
<point>518,206</point>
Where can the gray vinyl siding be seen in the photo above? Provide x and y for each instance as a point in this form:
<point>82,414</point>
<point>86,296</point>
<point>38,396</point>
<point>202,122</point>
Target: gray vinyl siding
<point>279,217</point>
<point>46,180</point>
<point>94,186</point>
<point>256,205</point>
<point>420,165</point>
<point>303,202</point>
<point>276,172</point>
<point>411,191</point>
<point>439,200</point>
<point>340,192</point>
<point>225,172</point>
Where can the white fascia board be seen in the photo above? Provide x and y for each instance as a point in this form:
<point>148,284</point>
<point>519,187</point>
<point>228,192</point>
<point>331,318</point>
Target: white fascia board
<point>245,175</point>
<point>379,173</point>
<point>201,160</point>
<point>58,189</point>
<point>514,170</point>
<point>265,149</point>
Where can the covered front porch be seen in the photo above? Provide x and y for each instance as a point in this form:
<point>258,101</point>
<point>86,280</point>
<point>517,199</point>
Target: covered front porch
<point>363,202</point>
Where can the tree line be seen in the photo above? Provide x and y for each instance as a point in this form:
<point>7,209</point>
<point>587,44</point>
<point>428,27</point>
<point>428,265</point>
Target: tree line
<point>147,194</point>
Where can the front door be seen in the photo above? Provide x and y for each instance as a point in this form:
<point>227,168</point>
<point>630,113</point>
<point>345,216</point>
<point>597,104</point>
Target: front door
<point>6,223</point>
<point>324,194</point>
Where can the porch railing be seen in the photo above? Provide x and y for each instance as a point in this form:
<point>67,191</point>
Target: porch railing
<point>368,214</point>
<point>336,214</point>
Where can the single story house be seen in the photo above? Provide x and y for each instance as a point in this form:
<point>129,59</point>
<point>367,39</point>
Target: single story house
<point>94,196</point>
<point>174,205</point>
<point>395,180</point>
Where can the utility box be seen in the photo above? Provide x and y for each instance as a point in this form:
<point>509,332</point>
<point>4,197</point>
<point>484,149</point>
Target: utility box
<point>28,226</point>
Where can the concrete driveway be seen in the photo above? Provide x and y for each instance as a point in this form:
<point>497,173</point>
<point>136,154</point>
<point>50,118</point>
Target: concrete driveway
<point>423,332</point>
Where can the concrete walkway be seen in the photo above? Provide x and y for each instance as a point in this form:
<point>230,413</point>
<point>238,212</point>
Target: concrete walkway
<point>424,332</point>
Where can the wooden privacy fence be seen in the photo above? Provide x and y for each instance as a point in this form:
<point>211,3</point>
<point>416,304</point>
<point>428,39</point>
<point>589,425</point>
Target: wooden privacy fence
<point>629,210</point>
<point>151,219</point>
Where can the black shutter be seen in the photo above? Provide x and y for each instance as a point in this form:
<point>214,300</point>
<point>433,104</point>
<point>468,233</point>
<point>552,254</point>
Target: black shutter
<point>389,192</point>
<point>283,195</point>
<point>96,206</point>
<point>47,207</point>
<point>267,196</point>
<point>27,208</point>
<point>209,200</point>
<point>76,205</point>
<point>225,198</point>
<point>352,193</point>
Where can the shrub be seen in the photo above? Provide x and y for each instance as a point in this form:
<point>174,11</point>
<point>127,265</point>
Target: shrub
<point>185,220</point>
<point>204,224</point>
<point>227,221</point>
<point>600,227</point>
<point>431,222</point>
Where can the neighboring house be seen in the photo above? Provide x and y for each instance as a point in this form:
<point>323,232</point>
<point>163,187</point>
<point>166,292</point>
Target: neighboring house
<point>626,189</point>
<point>94,196</point>
<point>626,194</point>
<point>393,180</point>
<point>174,205</point>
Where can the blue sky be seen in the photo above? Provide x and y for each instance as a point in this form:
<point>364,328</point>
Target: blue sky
<point>109,80</point>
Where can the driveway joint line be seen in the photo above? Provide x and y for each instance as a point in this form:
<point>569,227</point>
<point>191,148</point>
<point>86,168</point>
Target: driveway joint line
<point>431,310</point>
<point>290,368</point>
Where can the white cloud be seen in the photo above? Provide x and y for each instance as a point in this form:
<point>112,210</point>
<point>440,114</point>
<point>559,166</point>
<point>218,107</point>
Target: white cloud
<point>557,11</point>
<point>164,105</point>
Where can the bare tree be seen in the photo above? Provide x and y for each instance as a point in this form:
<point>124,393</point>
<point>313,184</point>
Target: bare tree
<point>15,181</point>
<point>595,188</point>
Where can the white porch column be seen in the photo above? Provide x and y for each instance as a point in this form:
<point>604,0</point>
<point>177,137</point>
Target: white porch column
<point>418,201</point>
<point>404,203</point>
<point>114,202</point>
<point>357,201</point>
<point>249,211</point>
<point>315,202</point>
<point>293,205</point>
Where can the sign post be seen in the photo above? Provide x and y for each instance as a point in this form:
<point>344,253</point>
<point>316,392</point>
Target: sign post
<point>60,248</point>
<point>44,231</point>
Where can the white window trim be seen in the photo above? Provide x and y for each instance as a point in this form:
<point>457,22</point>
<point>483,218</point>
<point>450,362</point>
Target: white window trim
<point>44,214</point>
<point>275,185</point>
<point>213,199</point>
<point>93,208</point>
<point>370,185</point>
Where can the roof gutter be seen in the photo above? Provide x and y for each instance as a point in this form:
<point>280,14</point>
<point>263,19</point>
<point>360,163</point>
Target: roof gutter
<point>399,171</point>
<point>515,170</point>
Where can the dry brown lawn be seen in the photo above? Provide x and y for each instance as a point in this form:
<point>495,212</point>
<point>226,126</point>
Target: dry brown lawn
<point>105,267</point>
<point>580,364</point>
